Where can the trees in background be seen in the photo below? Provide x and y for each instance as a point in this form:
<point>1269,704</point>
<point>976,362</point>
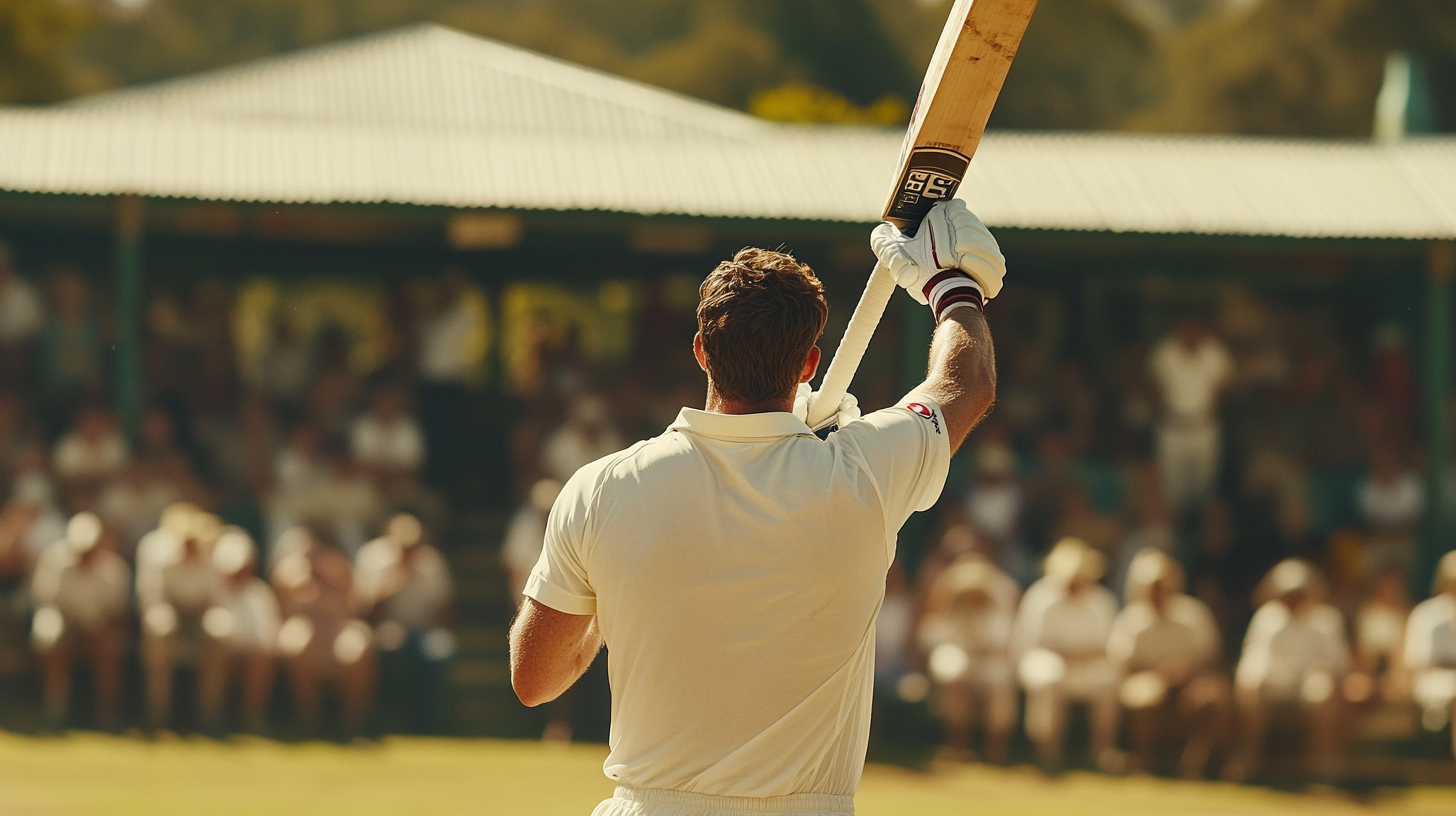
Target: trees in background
<point>1308,67</point>
<point>36,41</point>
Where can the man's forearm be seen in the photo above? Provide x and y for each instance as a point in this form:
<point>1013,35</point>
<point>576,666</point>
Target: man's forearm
<point>962,371</point>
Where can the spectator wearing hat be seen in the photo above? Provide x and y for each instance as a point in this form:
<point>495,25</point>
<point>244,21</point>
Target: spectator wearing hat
<point>966,633</point>
<point>403,586</point>
<point>1430,650</point>
<point>242,636</point>
<point>1166,646</point>
<point>1061,635</point>
<point>81,589</point>
<point>1295,656</point>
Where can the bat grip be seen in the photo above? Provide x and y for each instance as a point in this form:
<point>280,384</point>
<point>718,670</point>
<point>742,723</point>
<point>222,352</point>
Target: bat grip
<point>852,347</point>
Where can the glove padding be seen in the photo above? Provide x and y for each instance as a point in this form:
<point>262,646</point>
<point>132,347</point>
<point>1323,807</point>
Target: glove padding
<point>806,397</point>
<point>950,237</point>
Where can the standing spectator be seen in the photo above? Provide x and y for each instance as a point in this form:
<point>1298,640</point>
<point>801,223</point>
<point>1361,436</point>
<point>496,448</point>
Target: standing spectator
<point>1061,632</point>
<point>587,435</point>
<point>404,585</point>
<point>453,339</point>
<point>966,631</point>
<point>1191,369</point>
<point>1392,502</point>
<point>1166,647</point>
<point>81,590</point>
<point>287,366</point>
<point>388,444</point>
<point>70,347</point>
<point>242,636</point>
<point>88,457</point>
<point>21,319</point>
<point>526,534</point>
<point>1295,655</point>
<point>1430,650</point>
<point>993,505</point>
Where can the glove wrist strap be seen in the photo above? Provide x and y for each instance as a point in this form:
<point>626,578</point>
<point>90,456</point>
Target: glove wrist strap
<point>950,289</point>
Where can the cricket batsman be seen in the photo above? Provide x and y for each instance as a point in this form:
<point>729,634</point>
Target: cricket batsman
<point>736,563</point>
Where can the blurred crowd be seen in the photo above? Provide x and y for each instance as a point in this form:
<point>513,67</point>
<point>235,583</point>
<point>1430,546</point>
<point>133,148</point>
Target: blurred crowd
<point>1211,546</point>
<point>237,525</point>
<point>1206,537</point>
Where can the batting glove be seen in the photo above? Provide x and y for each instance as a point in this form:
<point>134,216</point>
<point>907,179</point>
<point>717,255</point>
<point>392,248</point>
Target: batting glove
<point>950,245</point>
<point>806,397</point>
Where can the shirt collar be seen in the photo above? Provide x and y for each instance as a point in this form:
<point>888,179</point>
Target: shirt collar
<point>772,425</point>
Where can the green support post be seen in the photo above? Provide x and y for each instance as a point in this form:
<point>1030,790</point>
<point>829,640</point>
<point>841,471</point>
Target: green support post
<point>130,216</point>
<point>1440,266</point>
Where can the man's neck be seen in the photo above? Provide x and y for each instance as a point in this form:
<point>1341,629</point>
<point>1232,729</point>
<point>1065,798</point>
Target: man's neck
<point>719,405</point>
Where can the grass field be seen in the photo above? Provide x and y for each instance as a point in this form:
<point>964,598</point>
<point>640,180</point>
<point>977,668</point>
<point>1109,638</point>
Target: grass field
<point>92,775</point>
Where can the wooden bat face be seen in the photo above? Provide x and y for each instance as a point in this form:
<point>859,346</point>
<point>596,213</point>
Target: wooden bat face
<point>975,51</point>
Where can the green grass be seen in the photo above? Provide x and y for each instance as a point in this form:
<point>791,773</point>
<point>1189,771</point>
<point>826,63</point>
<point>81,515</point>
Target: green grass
<point>93,775</point>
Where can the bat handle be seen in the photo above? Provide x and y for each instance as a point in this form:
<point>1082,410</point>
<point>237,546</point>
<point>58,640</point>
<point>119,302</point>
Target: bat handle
<point>852,347</point>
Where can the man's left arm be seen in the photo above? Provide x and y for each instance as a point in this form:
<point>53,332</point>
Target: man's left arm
<point>550,650</point>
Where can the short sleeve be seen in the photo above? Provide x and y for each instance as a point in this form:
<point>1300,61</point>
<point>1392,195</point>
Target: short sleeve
<point>559,579</point>
<point>905,450</point>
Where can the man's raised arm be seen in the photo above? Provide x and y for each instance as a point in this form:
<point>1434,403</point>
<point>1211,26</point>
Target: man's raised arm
<point>953,265</point>
<point>962,373</point>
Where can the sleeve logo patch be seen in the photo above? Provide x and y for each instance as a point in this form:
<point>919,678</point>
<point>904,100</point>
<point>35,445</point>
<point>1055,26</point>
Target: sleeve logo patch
<point>924,412</point>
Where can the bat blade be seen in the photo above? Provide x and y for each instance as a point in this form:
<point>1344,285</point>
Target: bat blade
<point>976,47</point>
<point>974,53</point>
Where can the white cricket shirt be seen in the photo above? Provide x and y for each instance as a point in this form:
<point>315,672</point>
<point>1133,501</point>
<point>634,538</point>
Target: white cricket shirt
<point>735,565</point>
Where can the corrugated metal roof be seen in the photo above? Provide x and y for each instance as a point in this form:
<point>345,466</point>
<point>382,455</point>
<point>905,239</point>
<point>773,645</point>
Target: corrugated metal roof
<point>431,116</point>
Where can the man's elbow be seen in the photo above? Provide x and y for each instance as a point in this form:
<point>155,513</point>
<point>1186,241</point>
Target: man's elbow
<point>531,691</point>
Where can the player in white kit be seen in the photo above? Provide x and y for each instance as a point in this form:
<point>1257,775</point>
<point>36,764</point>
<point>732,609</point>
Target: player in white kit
<point>735,564</point>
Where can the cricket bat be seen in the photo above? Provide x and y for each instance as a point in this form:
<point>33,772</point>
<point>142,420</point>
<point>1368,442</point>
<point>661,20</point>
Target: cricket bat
<point>965,75</point>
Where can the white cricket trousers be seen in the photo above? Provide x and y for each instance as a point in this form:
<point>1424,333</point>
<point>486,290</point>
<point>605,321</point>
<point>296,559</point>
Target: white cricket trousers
<point>654,802</point>
<point>1188,455</point>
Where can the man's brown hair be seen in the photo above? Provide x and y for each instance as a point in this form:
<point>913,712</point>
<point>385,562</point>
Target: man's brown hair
<point>759,315</point>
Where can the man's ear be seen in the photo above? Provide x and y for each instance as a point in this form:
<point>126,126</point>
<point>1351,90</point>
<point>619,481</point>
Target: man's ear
<point>811,365</point>
<point>698,351</point>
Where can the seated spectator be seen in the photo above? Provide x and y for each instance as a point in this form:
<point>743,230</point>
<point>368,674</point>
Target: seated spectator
<point>339,496</point>
<point>403,585</point>
<point>1430,650</point>
<point>171,611</point>
<point>242,636</point>
<point>321,639</point>
<point>1166,647</point>
<point>966,632</point>
<point>1392,502</point>
<point>88,457</point>
<point>287,365</point>
<point>1379,641</point>
<point>1061,633</point>
<point>298,465</point>
<point>387,443</point>
<point>81,591</point>
<point>132,504</point>
<point>1295,656</point>
<point>526,534</point>
<point>587,435</point>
